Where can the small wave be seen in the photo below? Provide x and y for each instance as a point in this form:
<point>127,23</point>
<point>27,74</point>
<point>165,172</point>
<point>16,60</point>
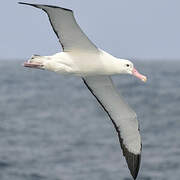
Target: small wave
<point>4,164</point>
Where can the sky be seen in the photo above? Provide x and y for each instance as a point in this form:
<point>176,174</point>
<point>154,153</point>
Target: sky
<point>139,29</point>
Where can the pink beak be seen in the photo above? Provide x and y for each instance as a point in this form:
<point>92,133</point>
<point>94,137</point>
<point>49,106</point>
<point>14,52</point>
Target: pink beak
<point>138,75</point>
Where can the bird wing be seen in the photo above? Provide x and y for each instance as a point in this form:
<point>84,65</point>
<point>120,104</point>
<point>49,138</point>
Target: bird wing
<point>66,28</point>
<point>121,115</point>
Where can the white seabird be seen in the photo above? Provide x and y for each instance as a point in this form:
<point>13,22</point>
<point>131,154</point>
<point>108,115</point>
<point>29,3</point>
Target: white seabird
<point>82,58</point>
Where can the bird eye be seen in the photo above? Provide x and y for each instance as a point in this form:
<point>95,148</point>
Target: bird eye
<point>127,65</point>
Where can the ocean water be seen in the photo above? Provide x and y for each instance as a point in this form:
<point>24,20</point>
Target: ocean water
<point>52,128</point>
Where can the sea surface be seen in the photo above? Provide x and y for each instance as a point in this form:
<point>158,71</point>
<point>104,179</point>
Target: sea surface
<point>52,128</point>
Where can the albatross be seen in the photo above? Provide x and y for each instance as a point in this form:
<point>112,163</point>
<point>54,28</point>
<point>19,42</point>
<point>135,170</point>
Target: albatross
<point>80,57</point>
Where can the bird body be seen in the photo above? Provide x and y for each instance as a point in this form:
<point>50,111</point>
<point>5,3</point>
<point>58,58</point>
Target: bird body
<point>80,57</point>
<point>83,63</point>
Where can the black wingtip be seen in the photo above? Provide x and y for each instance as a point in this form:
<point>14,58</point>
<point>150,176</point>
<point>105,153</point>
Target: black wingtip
<point>40,6</point>
<point>134,167</point>
<point>133,160</point>
<point>23,3</point>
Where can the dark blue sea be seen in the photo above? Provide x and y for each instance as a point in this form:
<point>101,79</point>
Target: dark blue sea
<point>52,128</point>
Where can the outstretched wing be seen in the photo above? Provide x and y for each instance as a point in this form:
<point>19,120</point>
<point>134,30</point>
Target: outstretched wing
<point>121,115</point>
<point>65,27</point>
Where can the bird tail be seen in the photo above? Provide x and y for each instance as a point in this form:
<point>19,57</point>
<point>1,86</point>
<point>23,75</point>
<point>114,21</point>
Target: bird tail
<point>36,61</point>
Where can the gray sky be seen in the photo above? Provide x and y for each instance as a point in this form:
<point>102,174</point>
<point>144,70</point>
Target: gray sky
<point>143,29</point>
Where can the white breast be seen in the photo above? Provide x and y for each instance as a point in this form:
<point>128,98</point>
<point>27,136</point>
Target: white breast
<point>84,64</point>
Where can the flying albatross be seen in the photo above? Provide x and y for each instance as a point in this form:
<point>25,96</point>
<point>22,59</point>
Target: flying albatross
<point>82,58</point>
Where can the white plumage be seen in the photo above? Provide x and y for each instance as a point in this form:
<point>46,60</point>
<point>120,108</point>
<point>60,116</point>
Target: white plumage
<point>81,57</point>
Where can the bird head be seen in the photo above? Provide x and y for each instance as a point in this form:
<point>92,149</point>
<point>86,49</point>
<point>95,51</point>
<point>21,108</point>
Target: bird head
<point>128,68</point>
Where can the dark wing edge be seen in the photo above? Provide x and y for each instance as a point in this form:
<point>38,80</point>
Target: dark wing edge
<point>37,6</point>
<point>54,28</point>
<point>79,41</point>
<point>133,160</point>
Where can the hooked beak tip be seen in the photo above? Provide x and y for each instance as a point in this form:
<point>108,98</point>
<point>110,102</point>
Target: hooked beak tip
<point>144,79</point>
<point>138,75</point>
